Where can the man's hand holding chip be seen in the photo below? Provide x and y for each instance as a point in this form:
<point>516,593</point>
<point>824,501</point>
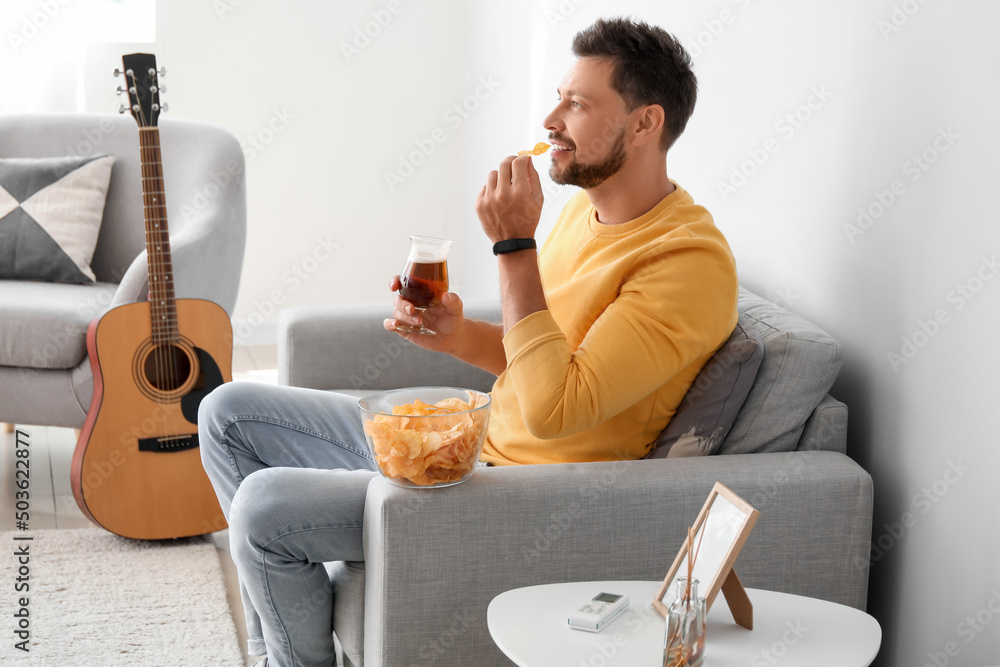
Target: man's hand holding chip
<point>510,204</point>
<point>509,207</point>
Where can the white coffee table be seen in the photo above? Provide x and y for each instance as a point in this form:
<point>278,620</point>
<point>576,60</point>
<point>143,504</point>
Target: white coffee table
<point>529,626</point>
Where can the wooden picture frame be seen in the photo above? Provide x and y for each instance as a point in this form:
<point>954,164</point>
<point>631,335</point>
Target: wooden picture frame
<point>721,530</point>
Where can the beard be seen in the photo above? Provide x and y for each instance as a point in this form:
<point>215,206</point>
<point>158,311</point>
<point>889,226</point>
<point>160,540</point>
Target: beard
<point>593,174</point>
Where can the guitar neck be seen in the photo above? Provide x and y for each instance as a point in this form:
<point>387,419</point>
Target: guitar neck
<point>163,310</point>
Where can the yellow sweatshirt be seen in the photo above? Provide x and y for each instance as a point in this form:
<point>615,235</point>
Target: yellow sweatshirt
<point>634,311</point>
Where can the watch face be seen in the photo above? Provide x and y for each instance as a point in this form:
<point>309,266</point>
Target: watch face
<point>607,597</point>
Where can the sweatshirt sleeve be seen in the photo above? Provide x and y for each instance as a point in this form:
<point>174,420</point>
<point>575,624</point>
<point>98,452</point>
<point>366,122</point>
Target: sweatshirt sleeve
<point>677,304</point>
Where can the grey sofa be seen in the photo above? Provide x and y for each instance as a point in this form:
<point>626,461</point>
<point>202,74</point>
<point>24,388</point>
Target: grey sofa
<point>435,559</point>
<point>45,374</point>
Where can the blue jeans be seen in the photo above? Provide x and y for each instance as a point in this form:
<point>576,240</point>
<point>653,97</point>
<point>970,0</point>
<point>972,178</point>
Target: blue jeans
<point>291,469</point>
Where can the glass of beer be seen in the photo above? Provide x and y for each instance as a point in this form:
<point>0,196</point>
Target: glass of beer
<point>424,278</point>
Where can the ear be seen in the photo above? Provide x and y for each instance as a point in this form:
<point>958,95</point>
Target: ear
<point>650,122</point>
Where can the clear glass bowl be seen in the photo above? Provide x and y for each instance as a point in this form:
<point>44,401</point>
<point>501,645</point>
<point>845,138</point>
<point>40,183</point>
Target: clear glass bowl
<point>419,450</point>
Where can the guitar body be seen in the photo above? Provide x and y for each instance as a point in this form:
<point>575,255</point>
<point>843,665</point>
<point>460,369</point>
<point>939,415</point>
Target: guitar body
<point>137,468</point>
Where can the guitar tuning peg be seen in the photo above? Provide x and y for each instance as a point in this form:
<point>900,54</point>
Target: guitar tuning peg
<point>118,72</point>
<point>162,88</point>
<point>119,90</point>
<point>163,71</point>
<point>164,107</point>
<point>122,108</point>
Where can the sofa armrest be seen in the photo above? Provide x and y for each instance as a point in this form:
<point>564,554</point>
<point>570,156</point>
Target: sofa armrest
<point>435,559</point>
<point>826,428</point>
<point>345,347</point>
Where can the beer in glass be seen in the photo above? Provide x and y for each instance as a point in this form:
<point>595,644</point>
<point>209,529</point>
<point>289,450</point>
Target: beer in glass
<point>424,278</point>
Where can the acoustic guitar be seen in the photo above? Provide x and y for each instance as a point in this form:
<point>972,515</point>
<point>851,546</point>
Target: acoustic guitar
<point>137,468</point>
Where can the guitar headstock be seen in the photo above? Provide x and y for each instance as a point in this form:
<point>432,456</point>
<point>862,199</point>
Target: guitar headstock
<point>142,83</point>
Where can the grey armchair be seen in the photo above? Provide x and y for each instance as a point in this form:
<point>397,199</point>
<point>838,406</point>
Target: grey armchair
<point>45,375</point>
<point>435,559</point>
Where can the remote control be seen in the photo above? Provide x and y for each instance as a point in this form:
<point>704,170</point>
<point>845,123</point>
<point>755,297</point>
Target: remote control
<point>596,614</point>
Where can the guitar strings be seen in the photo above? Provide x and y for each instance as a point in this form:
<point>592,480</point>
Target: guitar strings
<point>159,359</point>
<point>170,315</point>
<point>150,258</point>
<point>167,378</point>
<point>165,358</point>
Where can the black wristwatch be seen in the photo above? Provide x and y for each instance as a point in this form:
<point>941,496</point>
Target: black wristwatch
<point>513,245</point>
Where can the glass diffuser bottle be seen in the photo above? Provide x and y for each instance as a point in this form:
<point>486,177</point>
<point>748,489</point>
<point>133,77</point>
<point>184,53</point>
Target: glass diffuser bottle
<point>684,640</point>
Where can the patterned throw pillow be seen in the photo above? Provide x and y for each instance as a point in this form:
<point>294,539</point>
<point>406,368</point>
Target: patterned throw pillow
<point>50,216</point>
<point>713,401</point>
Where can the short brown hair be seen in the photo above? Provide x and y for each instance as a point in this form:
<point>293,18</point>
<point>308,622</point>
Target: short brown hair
<point>649,66</point>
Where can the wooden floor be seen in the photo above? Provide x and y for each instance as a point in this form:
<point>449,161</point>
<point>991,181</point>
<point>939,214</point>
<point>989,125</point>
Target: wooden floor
<point>52,505</point>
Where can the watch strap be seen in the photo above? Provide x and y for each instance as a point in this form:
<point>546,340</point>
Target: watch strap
<point>513,245</point>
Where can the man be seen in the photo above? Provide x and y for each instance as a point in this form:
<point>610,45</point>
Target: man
<point>601,337</point>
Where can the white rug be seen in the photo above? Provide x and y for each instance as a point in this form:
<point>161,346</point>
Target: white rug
<point>99,599</point>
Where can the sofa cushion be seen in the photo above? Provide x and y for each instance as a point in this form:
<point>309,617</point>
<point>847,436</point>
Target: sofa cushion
<point>44,325</point>
<point>50,216</point>
<point>800,363</point>
<point>714,400</point>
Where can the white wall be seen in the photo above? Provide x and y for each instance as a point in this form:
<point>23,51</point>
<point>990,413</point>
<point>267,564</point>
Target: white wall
<point>920,420</point>
<point>878,98</point>
<point>328,98</point>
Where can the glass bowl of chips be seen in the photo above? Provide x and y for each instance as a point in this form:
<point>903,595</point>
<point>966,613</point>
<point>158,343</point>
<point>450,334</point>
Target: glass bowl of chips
<point>425,437</point>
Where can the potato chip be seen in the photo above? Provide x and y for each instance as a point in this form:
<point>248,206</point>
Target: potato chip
<point>539,148</point>
<point>452,405</point>
<point>427,451</point>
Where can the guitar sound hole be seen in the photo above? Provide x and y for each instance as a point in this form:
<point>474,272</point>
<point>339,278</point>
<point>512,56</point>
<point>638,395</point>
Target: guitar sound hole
<point>167,367</point>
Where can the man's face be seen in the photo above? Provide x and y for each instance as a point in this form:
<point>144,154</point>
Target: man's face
<point>587,126</point>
